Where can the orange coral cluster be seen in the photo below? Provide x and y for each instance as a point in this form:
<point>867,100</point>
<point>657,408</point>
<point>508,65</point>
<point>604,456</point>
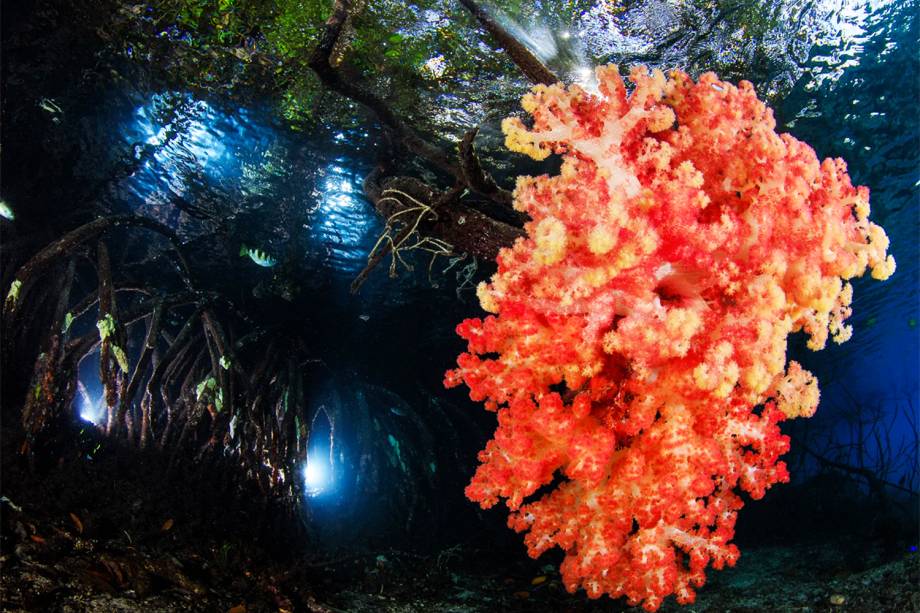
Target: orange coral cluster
<point>637,347</point>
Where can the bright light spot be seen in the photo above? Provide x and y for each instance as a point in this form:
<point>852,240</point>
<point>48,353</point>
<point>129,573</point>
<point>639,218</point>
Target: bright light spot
<point>87,415</point>
<point>341,217</point>
<point>435,67</point>
<point>538,38</point>
<point>157,139</point>
<point>586,78</point>
<point>90,409</point>
<point>196,133</point>
<point>92,412</point>
<point>315,475</point>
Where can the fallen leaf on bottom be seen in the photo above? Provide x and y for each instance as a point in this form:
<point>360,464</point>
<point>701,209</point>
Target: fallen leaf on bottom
<point>76,522</point>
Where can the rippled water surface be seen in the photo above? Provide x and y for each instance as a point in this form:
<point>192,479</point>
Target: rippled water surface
<point>201,164</point>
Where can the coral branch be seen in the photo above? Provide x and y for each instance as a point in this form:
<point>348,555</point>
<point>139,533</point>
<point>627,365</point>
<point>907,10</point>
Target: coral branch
<point>637,342</point>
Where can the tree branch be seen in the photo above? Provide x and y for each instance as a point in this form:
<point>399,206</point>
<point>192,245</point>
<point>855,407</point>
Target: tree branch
<point>478,179</point>
<point>535,70</point>
<point>320,63</point>
<point>464,228</point>
<point>385,248</point>
<point>40,262</point>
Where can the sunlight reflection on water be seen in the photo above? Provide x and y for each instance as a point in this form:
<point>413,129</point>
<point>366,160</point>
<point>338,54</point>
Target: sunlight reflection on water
<point>203,166</point>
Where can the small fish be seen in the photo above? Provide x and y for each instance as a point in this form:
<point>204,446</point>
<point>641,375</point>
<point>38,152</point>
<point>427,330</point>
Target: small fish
<point>258,256</point>
<point>6,212</point>
<point>47,104</point>
<point>13,505</point>
<point>364,317</point>
<point>397,411</point>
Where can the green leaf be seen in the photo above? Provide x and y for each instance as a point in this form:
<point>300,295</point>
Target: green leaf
<point>120,357</point>
<point>13,294</point>
<point>106,326</point>
<point>205,386</point>
<point>68,319</point>
<point>225,362</point>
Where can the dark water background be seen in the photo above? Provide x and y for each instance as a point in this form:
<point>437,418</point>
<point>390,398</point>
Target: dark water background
<point>842,76</point>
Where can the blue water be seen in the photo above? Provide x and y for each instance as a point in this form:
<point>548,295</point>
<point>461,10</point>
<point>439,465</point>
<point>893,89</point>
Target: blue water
<point>857,99</point>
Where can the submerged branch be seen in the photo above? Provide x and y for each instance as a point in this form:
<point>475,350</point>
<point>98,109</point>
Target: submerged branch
<point>386,248</point>
<point>150,341</point>
<point>41,261</point>
<point>462,227</point>
<point>332,77</point>
<point>457,227</point>
<point>107,323</point>
<point>475,176</point>
<point>535,70</point>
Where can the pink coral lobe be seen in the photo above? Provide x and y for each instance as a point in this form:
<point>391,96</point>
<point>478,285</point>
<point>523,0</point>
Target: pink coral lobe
<point>662,271</point>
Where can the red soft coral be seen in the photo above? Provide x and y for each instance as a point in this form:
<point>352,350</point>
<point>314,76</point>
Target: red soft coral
<point>643,320</point>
